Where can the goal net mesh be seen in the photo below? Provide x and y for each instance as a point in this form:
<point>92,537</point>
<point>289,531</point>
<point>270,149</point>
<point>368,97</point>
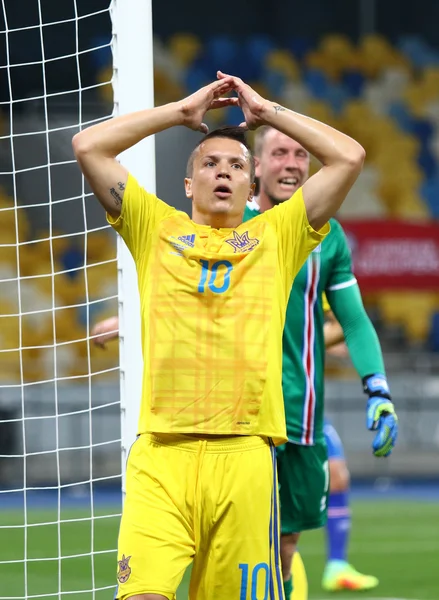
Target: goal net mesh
<point>60,447</point>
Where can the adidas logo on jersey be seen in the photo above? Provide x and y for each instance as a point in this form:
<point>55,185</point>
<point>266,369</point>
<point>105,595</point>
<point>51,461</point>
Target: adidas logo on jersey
<point>188,240</point>
<point>181,243</point>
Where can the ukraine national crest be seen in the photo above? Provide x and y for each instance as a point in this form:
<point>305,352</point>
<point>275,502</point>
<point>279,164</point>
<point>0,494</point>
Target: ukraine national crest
<point>242,243</point>
<point>124,571</point>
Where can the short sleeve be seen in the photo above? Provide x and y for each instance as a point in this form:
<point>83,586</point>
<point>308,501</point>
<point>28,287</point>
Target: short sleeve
<point>341,275</point>
<point>141,212</point>
<point>296,238</point>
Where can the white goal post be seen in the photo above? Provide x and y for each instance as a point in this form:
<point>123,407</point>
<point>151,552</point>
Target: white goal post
<point>133,84</point>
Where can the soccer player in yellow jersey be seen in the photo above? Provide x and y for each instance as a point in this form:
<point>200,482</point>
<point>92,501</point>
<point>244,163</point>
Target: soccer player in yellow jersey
<point>201,477</point>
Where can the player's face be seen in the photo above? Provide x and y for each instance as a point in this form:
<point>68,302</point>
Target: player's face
<point>282,167</point>
<point>221,178</point>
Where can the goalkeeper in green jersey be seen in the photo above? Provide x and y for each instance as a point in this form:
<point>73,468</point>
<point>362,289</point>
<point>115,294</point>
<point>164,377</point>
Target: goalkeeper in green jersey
<point>308,501</point>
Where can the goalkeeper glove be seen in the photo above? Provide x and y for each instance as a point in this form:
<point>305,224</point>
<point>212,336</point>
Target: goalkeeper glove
<point>381,415</point>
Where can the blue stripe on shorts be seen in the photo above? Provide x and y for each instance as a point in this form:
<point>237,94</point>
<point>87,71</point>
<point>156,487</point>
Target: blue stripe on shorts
<point>275,533</point>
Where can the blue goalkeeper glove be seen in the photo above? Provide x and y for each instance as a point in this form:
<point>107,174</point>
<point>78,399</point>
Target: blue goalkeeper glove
<point>381,415</point>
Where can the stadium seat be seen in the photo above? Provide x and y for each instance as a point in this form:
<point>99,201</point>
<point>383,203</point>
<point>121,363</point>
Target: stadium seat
<point>430,193</point>
<point>296,96</point>
<point>434,332</point>
<point>252,54</point>
<point>300,46</point>
<point>184,48</point>
<point>221,51</point>
<point>412,310</point>
<point>100,246</point>
<point>353,81</point>
<point>410,207</point>
<point>316,82</point>
<point>282,61</point>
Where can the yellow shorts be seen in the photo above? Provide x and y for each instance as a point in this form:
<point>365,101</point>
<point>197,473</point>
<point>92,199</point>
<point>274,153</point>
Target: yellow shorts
<point>211,501</point>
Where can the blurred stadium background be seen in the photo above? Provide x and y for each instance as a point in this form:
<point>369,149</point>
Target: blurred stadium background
<point>369,68</point>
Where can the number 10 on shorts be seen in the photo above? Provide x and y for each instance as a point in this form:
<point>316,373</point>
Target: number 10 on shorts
<point>261,572</point>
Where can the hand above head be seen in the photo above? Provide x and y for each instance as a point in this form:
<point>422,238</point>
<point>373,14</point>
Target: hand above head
<point>252,104</point>
<point>194,107</point>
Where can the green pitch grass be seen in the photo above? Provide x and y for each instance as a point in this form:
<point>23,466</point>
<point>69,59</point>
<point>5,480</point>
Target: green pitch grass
<point>398,541</point>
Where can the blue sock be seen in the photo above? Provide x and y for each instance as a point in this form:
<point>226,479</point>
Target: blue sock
<point>338,525</point>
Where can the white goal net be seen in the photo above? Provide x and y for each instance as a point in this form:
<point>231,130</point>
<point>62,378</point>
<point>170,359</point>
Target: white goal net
<point>60,440</point>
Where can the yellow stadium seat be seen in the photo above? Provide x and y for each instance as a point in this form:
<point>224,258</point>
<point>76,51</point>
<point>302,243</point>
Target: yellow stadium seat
<point>322,112</point>
<point>340,52</point>
<point>100,278</point>
<point>396,148</point>
<point>410,207</point>
<point>327,64</point>
<point>5,200</point>
<point>100,246</point>
<point>430,83</point>
<point>12,220</point>
<point>166,89</point>
<point>105,90</point>
<point>416,98</point>
<point>184,47</point>
<point>283,62</point>
<point>393,185</point>
<point>377,54</point>
<point>411,310</point>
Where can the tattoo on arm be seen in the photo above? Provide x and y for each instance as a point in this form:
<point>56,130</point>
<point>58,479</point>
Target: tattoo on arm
<point>115,193</point>
<point>279,108</point>
<point>117,197</point>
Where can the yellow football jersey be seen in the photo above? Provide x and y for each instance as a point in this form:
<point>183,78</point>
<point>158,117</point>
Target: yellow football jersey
<point>213,305</point>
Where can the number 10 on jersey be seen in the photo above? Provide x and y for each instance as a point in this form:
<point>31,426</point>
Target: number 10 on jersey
<point>215,275</point>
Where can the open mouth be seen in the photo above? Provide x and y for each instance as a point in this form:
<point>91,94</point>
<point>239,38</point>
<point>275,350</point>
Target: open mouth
<point>288,183</point>
<point>222,191</point>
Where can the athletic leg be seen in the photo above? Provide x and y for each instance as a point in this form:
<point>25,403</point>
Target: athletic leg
<point>237,553</point>
<point>339,574</point>
<point>156,537</point>
<point>303,482</point>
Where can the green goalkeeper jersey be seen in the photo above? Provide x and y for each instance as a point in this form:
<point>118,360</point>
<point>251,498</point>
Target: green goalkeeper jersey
<point>328,268</point>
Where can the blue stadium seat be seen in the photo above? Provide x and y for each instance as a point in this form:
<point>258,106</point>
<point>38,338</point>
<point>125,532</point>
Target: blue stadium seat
<point>423,130</point>
<point>299,46</point>
<point>418,51</point>
<point>255,50</point>
<point>233,116</point>
<point>222,52</point>
<point>195,78</point>
<point>316,82</point>
<point>427,161</point>
<point>354,82</point>
<point>402,116</point>
<point>434,333</point>
<point>337,97</point>
<point>274,81</point>
<point>72,259</point>
<point>430,193</point>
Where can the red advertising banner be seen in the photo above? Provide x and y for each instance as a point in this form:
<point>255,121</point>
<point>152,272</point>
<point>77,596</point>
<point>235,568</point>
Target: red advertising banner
<point>394,254</point>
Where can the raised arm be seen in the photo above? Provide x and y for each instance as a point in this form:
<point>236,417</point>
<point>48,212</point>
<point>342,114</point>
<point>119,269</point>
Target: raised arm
<point>341,156</point>
<point>97,147</point>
